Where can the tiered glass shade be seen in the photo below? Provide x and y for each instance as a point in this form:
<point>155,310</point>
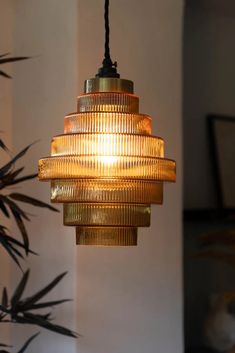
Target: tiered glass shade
<point>107,168</point>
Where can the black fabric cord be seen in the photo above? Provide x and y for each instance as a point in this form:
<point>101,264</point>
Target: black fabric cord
<point>109,69</point>
<point>106,21</point>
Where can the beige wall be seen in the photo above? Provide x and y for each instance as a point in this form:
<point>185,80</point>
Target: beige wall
<point>129,300</point>
<point>126,300</point>
<point>6,31</point>
<point>43,92</point>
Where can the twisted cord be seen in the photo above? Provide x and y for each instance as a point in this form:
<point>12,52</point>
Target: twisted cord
<point>107,30</point>
<point>109,69</point>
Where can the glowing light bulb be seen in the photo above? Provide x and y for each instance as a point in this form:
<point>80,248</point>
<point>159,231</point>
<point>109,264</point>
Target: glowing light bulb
<point>108,160</point>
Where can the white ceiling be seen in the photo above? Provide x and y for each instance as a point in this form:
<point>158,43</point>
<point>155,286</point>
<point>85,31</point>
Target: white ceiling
<point>222,7</point>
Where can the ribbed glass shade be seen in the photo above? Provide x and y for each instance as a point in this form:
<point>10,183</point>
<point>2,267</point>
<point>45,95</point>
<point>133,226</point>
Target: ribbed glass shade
<point>102,144</point>
<point>99,214</point>
<point>108,122</point>
<point>107,167</point>
<point>108,102</point>
<point>106,236</point>
<point>107,191</point>
<point>158,169</point>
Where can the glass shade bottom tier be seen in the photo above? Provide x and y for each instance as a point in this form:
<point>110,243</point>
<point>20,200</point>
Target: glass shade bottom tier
<point>158,169</point>
<point>106,236</point>
<point>98,214</point>
<point>107,191</point>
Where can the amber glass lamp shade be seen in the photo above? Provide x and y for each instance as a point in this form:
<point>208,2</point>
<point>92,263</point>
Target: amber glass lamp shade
<point>107,168</point>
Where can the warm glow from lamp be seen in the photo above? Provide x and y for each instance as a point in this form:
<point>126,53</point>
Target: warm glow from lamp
<point>108,160</point>
<point>107,168</point>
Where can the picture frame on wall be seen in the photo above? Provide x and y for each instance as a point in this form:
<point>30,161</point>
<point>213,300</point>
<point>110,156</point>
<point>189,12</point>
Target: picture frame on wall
<point>222,141</point>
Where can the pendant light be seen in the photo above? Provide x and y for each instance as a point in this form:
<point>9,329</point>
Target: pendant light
<point>107,168</point>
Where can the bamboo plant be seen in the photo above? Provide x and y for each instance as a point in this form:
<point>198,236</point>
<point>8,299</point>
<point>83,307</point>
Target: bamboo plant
<point>16,308</point>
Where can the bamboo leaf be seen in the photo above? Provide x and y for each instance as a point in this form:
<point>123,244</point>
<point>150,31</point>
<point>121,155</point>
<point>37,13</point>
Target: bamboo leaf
<point>4,74</point>
<point>20,289</point>
<point>22,229</point>
<point>18,215</point>
<point>16,172</point>
<point>10,178</point>
<point>4,298</point>
<point>36,297</point>
<point>14,207</point>
<point>31,200</point>
<point>4,209</point>
<point>18,243</point>
<point>40,321</point>
<point>10,252</point>
<point>15,250</point>
<point>44,305</point>
<point>27,343</point>
<point>12,245</point>
<point>24,178</point>
<point>3,146</point>
<point>12,242</point>
<point>13,59</point>
<point>7,166</point>
<point>3,309</point>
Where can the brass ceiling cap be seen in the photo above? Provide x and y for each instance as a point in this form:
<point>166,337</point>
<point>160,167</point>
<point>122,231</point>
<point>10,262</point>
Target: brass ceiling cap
<point>108,84</point>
